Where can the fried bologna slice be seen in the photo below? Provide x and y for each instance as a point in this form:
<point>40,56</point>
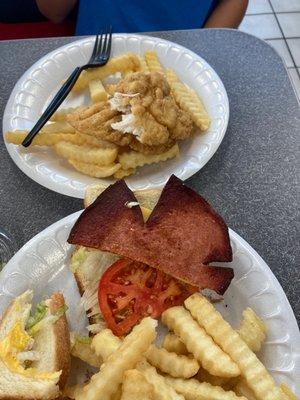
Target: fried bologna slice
<point>182,227</point>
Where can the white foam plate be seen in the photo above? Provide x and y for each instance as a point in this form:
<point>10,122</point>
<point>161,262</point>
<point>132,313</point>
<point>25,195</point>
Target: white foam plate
<point>43,265</point>
<point>39,83</point>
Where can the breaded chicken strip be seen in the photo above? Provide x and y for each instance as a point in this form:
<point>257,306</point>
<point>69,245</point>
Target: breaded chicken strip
<point>141,114</point>
<point>183,127</point>
<point>96,121</point>
<point>149,111</point>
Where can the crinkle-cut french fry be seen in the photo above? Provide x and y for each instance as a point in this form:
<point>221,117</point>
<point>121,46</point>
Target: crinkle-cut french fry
<point>86,154</point>
<point>252,330</point>
<point>287,393</point>
<point>122,173</point>
<point>89,140</point>
<point>105,343</point>
<point>97,91</point>
<point>255,373</point>
<point>61,114</point>
<point>136,387</point>
<point>105,383</point>
<point>199,343</point>
<point>172,363</point>
<point>189,101</point>
<point>191,389</point>
<point>173,343</point>
<point>17,137</point>
<point>94,170</point>
<point>42,139</point>
<point>132,159</point>
<point>242,389</point>
<point>70,392</point>
<point>118,394</point>
<point>162,390</point>
<point>122,63</point>
<point>144,65</point>
<point>84,352</point>
<point>50,139</point>
<point>205,376</point>
<point>58,127</point>
<point>153,62</point>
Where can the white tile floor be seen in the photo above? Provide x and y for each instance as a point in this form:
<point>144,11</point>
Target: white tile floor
<point>294,45</point>
<point>290,24</point>
<point>282,49</point>
<point>278,22</point>
<point>264,25</point>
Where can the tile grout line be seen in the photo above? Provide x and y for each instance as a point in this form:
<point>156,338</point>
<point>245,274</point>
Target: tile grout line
<point>280,38</point>
<point>285,39</point>
<point>271,13</point>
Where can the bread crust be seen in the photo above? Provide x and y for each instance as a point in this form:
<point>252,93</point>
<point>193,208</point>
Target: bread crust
<point>146,197</point>
<point>62,346</point>
<point>62,342</point>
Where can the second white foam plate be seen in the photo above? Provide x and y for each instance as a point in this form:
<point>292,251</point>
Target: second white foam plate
<point>43,265</point>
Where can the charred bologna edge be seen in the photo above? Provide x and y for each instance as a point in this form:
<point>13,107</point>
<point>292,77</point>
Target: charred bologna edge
<point>182,235</point>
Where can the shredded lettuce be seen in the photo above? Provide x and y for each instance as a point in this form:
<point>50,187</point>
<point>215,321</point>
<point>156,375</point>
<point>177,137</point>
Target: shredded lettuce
<point>61,311</point>
<point>37,316</point>
<point>95,328</point>
<point>78,258</point>
<point>50,319</point>
<point>83,339</point>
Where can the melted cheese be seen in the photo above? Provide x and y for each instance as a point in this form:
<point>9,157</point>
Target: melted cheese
<point>146,212</point>
<point>17,341</point>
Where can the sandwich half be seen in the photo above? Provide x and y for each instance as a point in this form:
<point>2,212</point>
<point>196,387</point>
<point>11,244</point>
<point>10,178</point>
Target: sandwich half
<point>34,349</point>
<point>88,264</point>
<point>175,232</point>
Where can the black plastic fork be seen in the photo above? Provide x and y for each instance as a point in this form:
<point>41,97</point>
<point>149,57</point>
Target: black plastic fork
<point>99,57</point>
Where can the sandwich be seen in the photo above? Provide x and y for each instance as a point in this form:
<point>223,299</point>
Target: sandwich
<point>140,253</point>
<point>34,349</point>
<point>88,264</point>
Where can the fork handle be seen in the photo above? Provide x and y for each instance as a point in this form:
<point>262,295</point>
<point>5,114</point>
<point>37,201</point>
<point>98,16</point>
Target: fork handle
<point>53,106</point>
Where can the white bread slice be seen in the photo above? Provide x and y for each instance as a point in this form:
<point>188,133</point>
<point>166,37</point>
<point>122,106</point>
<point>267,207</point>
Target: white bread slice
<point>52,342</point>
<point>19,387</point>
<point>147,198</point>
<point>14,386</point>
<point>18,310</point>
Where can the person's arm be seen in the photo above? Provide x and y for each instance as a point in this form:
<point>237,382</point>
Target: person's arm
<point>56,10</point>
<point>227,14</point>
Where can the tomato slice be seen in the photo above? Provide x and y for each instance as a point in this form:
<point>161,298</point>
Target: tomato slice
<point>129,291</point>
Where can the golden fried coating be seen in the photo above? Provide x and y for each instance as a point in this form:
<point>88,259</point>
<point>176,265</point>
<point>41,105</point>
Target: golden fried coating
<point>141,114</point>
<point>145,149</point>
<point>144,84</point>
<point>153,133</point>
<point>96,121</point>
<point>184,126</point>
<point>156,114</point>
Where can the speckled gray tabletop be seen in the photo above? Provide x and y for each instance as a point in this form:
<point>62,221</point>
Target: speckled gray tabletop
<point>251,180</point>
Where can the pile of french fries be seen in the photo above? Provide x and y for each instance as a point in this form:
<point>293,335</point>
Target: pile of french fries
<point>98,158</point>
<point>201,358</point>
